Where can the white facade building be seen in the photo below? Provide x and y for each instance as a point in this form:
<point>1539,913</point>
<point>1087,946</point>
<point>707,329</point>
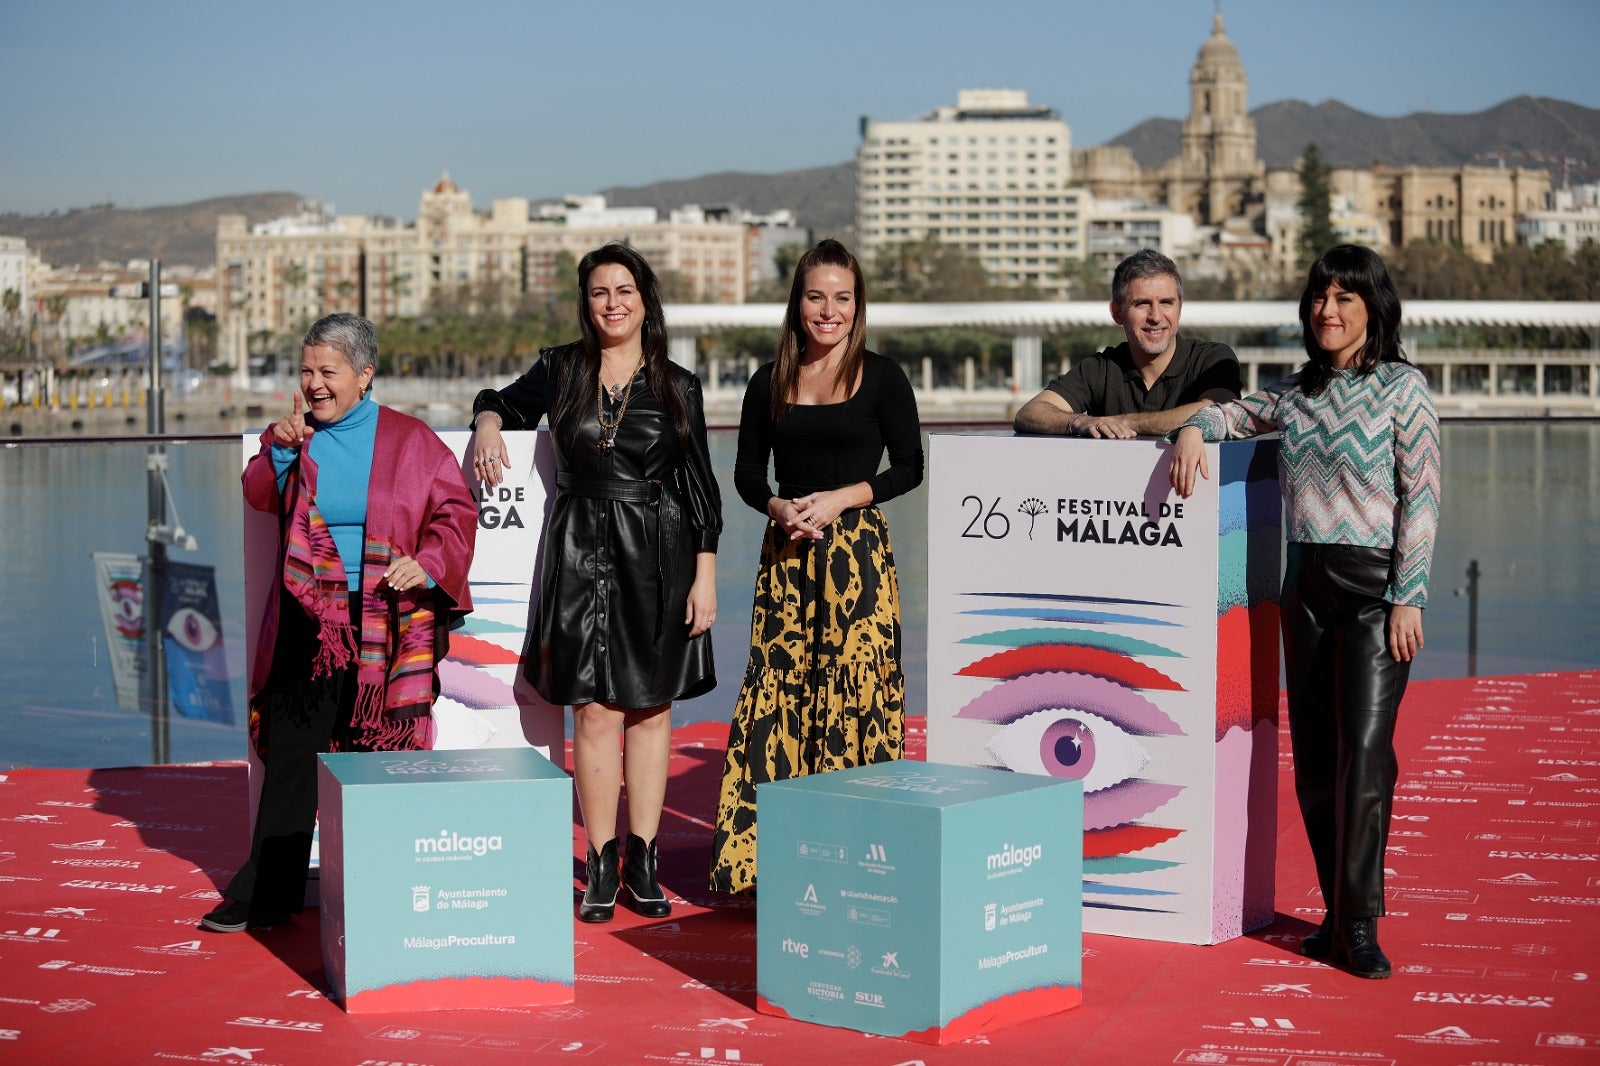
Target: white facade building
<point>988,175</point>
<point>14,272</point>
<point>1571,218</point>
<point>1118,228</point>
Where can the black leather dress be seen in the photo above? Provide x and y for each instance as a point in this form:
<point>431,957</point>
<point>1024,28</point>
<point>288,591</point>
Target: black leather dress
<point>620,545</point>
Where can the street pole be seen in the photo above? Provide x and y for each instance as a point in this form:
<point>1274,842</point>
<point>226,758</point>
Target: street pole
<point>1473,573</point>
<point>156,561</point>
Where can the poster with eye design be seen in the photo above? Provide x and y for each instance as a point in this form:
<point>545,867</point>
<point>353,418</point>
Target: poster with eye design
<point>1086,623</point>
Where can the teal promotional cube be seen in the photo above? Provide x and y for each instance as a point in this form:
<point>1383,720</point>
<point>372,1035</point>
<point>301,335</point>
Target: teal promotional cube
<point>445,879</point>
<point>917,900</point>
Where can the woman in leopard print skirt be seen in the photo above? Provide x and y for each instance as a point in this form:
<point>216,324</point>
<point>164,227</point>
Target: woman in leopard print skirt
<point>824,689</point>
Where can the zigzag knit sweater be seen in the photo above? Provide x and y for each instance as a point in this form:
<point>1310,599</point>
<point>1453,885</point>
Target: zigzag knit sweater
<point>1358,464</point>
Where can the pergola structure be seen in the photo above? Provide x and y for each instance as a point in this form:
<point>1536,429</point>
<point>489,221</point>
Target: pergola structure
<point>1461,374</point>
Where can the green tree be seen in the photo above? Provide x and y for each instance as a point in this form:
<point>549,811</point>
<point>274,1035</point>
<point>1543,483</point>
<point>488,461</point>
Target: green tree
<point>927,270</point>
<point>1085,279</point>
<point>1317,234</point>
<point>676,287</point>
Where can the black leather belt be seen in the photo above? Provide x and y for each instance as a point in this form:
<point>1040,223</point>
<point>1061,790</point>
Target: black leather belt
<point>621,489</point>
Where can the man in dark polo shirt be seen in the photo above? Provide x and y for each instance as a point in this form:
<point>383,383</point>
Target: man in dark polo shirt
<point>1149,384</point>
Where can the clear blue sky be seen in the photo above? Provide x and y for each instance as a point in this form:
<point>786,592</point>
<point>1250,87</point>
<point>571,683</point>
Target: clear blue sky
<point>363,104</point>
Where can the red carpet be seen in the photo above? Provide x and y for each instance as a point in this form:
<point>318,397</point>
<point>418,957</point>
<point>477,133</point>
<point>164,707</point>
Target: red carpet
<point>1494,896</point>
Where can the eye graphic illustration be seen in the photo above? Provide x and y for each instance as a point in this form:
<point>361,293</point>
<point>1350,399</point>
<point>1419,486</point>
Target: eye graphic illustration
<point>1077,745</point>
<point>127,608</point>
<point>192,630</point>
<point>1068,700</point>
<point>1079,727</point>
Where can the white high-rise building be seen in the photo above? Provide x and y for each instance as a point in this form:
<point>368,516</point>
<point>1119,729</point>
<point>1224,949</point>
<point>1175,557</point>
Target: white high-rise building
<point>14,272</point>
<point>988,176</point>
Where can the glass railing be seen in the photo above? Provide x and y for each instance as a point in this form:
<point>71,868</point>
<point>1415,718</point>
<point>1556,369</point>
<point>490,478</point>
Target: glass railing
<point>1521,509</point>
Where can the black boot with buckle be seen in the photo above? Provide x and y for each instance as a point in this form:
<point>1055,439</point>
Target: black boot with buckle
<point>600,894</point>
<point>639,875</point>
<point>1357,949</point>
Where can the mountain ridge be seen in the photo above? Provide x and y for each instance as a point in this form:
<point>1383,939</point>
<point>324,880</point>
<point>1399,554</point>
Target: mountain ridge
<point>1523,131</point>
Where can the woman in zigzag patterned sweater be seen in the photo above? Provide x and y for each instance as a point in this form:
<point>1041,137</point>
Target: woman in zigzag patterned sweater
<point>1358,467</point>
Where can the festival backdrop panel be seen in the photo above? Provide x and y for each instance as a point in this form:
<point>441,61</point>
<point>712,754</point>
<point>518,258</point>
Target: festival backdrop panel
<point>483,702</point>
<point>1074,612</point>
<point>918,900</point>
<point>119,587</point>
<point>438,889</point>
<point>191,633</point>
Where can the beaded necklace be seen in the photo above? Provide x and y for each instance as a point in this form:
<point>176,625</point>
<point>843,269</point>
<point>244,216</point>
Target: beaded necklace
<point>608,430</point>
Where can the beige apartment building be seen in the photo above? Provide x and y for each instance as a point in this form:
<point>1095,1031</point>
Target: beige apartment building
<point>1477,207</point>
<point>279,276</point>
<point>988,175</point>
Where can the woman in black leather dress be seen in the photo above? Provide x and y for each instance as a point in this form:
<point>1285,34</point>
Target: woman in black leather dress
<point>628,592</point>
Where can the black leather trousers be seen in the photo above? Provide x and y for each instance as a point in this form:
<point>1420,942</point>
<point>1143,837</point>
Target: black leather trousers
<point>1344,694</point>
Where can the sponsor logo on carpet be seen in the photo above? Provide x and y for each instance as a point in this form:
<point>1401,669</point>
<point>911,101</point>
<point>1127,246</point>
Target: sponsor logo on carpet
<point>708,1056</point>
<point>287,1025</point>
<point>181,949</point>
<point>1447,1036</point>
<point>66,1006</point>
<point>33,934</point>
<point>69,966</point>
<point>1567,901</point>
<point>163,827</point>
<point>215,1054</point>
<point>1483,999</point>
<point>86,845</point>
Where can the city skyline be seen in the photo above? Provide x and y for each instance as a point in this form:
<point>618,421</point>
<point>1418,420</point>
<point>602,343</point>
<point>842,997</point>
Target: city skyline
<point>361,104</point>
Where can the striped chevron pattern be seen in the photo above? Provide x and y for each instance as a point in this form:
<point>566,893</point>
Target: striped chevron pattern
<point>1358,464</point>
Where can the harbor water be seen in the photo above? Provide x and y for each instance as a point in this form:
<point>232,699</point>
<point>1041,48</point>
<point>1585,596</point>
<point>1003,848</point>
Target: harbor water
<point>1522,498</point>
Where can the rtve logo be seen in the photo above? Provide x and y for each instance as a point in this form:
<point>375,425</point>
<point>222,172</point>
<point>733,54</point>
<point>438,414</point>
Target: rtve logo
<point>796,947</point>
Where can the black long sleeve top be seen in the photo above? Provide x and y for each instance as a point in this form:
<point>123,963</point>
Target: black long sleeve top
<point>816,447</point>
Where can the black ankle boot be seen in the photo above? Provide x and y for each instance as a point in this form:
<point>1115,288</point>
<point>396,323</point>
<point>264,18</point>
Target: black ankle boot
<point>639,874</point>
<point>1319,944</point>
<point>600,894</point>
<point>1357,949</point>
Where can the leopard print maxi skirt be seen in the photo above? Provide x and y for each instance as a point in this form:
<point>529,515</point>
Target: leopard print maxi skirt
<point>823,689</point>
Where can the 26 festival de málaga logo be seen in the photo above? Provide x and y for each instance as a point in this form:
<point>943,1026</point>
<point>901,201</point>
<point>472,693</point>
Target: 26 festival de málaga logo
<point>1078,520</point>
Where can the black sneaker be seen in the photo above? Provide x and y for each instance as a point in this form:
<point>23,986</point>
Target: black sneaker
<point>235,916</point>
<point>232,917</point>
